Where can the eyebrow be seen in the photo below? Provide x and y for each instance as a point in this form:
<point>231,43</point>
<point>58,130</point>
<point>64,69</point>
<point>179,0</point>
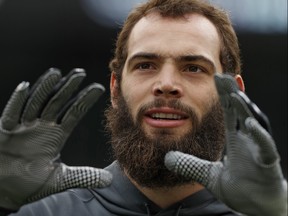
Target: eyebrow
<point>143,55</point>
<point>183,58</point>
<point>188,58</point>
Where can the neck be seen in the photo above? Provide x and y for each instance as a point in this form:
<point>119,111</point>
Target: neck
<point>165,197</point>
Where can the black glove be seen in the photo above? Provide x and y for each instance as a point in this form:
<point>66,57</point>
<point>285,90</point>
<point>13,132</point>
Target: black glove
<point>33,129</point>
<point>250,179</point>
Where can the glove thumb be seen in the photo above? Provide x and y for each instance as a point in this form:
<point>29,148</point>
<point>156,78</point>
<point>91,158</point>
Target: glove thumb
<point>193,168</point>
<point>68,177</point>
<point>85,177</point>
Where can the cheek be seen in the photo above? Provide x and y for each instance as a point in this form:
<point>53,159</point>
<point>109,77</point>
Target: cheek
<point>134,95</point>
<point>203,98</point>
<point>209,100</point>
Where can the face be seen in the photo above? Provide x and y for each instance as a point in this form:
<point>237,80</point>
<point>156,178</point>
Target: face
<point>167,99</point>
<point>171,60</point>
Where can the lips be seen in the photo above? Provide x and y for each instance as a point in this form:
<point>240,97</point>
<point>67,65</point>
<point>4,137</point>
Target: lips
<point>165,117</point>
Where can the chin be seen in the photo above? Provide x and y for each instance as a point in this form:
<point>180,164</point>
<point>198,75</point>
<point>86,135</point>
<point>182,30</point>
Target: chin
<point>161,136</point>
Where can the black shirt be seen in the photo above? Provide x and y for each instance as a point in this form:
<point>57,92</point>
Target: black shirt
<point>121,198</point>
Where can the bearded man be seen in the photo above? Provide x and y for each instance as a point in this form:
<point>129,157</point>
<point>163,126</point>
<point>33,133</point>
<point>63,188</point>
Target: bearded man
<point>176,100</point>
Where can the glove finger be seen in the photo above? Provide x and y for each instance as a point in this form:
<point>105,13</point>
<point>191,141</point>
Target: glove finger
<point>61,93</point>
<point>79,105</point>
<point>12,111</point>
<point>252,110</point>
<point>268,151</point>
<point>199,170</point>
<point>39,93</point>
<point>225,84</point>
<point>242,111</point>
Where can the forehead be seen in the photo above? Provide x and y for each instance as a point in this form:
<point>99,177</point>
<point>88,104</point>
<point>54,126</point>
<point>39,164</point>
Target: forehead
<point>192,20</point>
<point>193,31</point>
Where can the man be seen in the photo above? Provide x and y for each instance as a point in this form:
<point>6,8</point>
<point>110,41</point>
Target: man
<point>164,103</point>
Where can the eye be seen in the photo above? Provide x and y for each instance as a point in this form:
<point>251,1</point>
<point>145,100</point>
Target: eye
<point>144,66</point>
<point>193,69</point>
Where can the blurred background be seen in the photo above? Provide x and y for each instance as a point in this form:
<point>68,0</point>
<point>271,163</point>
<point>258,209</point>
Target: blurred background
<point>38,34</point>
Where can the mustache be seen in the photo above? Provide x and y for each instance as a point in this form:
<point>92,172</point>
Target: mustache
<point>172,103</point>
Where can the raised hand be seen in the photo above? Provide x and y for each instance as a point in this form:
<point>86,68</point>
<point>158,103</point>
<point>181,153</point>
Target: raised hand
<point>34,126</point>
<point>250,179</point>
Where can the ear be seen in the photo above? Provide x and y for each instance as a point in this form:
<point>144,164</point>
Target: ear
<point>240,82</point>
<point>113,89</point>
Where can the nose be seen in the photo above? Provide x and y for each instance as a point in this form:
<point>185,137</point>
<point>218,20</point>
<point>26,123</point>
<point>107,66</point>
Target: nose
<point>168,84</point>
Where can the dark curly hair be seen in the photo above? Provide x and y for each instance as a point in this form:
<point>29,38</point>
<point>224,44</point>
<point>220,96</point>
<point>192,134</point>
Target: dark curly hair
<point>229,53</point>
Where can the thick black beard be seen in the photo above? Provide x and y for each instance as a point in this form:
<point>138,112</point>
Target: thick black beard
<point>142,157</point>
